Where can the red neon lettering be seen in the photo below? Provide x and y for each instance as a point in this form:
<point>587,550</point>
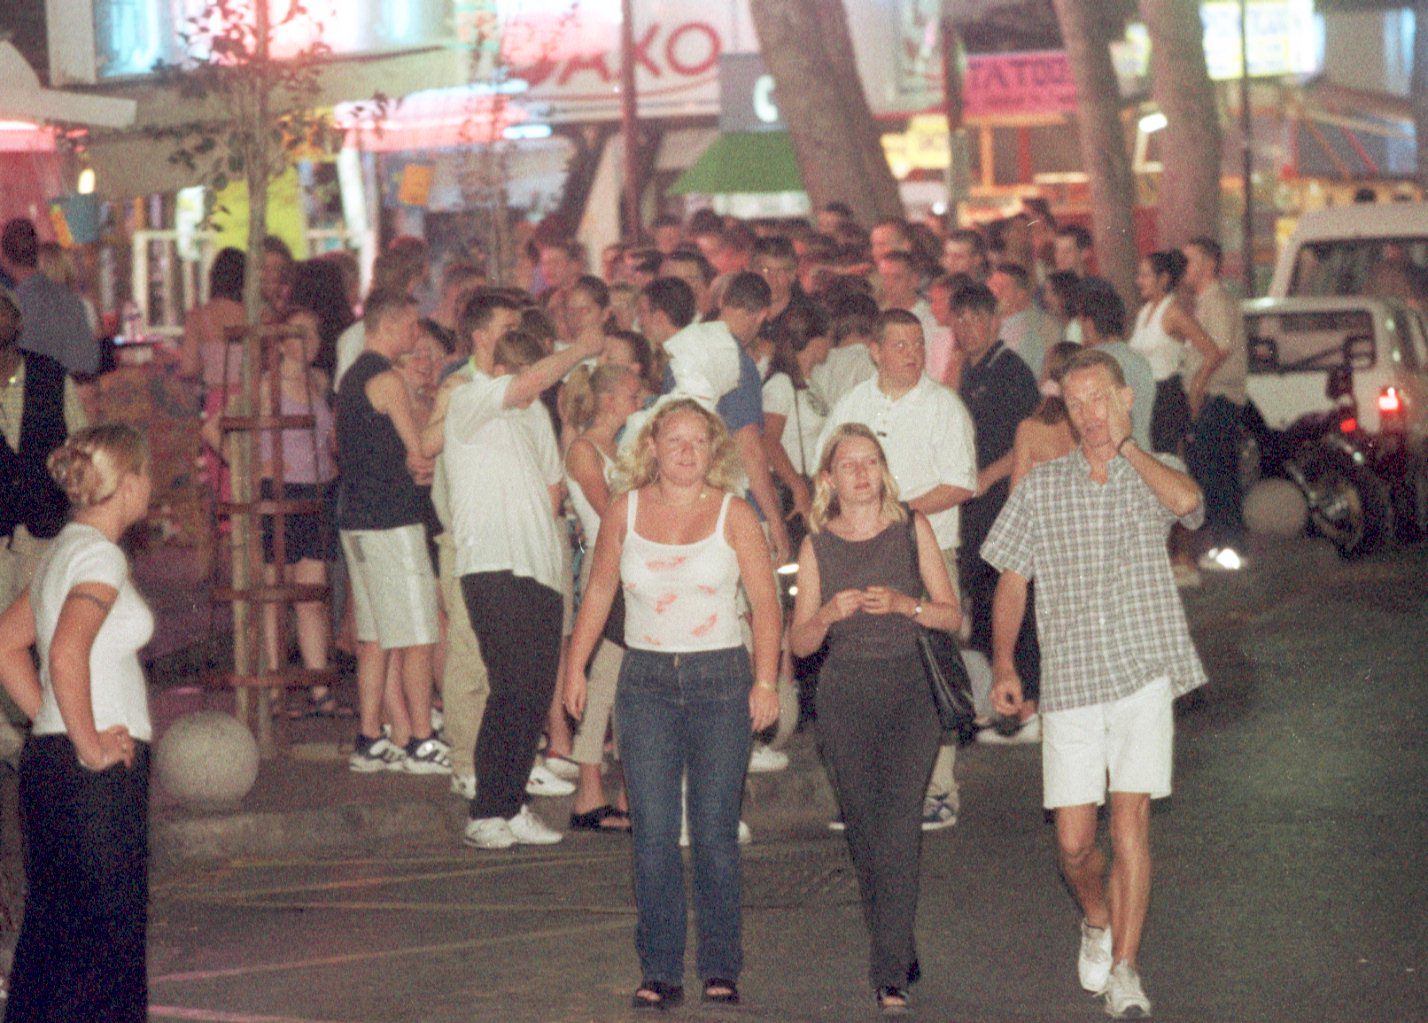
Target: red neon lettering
<point>593,62</point>
<point>711,58</point>
<point>642,50</point>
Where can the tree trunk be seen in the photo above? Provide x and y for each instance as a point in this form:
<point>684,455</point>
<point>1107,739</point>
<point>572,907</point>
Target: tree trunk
<point>1086,28</point>
<point>1420,89</point>
<point>806,45</point>
<point>1190,182</point>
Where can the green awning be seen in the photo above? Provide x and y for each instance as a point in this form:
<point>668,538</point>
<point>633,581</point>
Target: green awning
<point>743,162</point>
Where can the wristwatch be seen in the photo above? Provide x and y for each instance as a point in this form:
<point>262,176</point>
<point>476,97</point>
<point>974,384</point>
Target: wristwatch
<point>917,610</point>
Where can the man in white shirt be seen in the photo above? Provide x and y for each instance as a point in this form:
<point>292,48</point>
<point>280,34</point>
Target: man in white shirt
<point>927,436</point>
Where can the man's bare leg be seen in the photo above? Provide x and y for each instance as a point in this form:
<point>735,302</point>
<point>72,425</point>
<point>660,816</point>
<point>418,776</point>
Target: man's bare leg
<point>417,687</point>
<point>371,681</point>
<point>1130,872</point>
<point>1082,862</point>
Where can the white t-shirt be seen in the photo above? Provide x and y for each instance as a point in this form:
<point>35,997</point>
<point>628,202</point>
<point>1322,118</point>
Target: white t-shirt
<point>808,413</point>
<point>82,554</point>
<point>844,369</point>
<point>704,361</point>
<point>928,437</point>
<point>500,463</point>
<point>350,344</point>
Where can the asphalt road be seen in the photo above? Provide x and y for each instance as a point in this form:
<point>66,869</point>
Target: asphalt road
<point>1289,868</point>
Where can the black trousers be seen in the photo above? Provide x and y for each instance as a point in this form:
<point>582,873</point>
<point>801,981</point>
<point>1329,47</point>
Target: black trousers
<point>979,585</point>
<point>81,954</point>
<point>517,621</point>
<point>878,733</point>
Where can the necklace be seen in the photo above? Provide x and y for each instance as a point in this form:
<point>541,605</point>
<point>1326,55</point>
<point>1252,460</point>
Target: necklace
<point>703,493</point>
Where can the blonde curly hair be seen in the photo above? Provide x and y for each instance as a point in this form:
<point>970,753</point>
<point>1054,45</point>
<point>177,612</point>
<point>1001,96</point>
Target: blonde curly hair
<point>637,466</point>
<point>825,501</point>
<point>89,466</point>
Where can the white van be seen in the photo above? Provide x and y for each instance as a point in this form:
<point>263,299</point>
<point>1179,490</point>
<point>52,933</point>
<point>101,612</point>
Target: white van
<point>1352,250</point>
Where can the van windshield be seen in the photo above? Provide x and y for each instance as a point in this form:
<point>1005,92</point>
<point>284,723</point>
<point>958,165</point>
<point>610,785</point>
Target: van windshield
<point>1381,267</point>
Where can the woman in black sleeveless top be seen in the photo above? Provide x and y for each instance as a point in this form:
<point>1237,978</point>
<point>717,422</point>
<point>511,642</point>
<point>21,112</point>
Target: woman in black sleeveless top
<point>861,580</point>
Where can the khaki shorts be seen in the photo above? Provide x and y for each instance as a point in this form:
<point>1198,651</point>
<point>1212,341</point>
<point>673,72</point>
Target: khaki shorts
<point>393,590</point>
<point>1124,746</point>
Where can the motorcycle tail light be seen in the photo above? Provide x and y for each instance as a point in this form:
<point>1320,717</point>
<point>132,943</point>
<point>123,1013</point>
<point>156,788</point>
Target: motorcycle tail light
<point>1349,424</point>
<point>1390,401</point>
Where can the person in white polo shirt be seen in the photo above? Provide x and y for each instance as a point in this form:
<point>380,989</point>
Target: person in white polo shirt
<point>927,434</point>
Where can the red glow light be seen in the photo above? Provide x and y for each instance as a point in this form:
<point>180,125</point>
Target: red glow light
<point>1348,424</point>
<point>1390,402</point>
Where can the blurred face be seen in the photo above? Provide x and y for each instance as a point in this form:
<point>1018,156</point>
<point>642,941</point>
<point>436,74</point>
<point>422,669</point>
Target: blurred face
<point>856,472</point>
<point>975,331</point>
<point>940,299</point>
<point>1199,267</point>
<point>625,400</point>
<point>618,352</point>
<point>582,311</point>
<point>1011,296</point>
<point>689,274</point>
<point>273,279</point>
<point>557,267</point>
<point>612,263</point>
<point>683,447</point>
<point>815,353</point>
<point>779,273</point>
<point>668,236</point>
<point>743,323</point>
<point>886,238</point>
<point>1091,395</point>
<point>301,345</point>
<point>957,257</point>
<point>899,280</point>
<point>136,489</point>
<point>406,329</point>
<point>1147,283</point>
<point>1067,255</point>
<point>899,356</point>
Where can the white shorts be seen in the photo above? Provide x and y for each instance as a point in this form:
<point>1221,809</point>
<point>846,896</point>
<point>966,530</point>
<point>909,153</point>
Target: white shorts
<point>393,590</point>
<point>1129,741</point>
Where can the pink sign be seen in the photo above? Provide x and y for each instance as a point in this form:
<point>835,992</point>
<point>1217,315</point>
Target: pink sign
<point>1019,83</point>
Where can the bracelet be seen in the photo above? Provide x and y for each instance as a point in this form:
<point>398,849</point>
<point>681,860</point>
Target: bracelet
<point>770,686</point>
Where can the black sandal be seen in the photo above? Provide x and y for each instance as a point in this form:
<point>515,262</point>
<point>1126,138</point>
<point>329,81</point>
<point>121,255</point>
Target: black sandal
<point>888,1007</point>
<point>320,707</point>
<point>594,820</point>
<point>666,996</point>
<point>718,991</point>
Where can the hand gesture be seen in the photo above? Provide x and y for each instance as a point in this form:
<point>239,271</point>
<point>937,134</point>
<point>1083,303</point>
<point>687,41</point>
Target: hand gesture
<point>882,600</point>
<point>1006,691</point>
<point>763,707</point>
<point>779,549</point>
<point>842,605</point>
<point>576,686</point>
<point>1118,422</point>
<point>421,468</point>
<point>116,746</point>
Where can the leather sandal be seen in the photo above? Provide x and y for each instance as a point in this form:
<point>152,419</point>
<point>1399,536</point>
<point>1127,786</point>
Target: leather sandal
<point>594,820</point>
<point>666,996</point>
<point>887,1006</point>
<point>718,991</point>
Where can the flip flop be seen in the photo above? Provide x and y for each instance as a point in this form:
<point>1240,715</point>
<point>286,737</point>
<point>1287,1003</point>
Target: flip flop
<point>594,820</point>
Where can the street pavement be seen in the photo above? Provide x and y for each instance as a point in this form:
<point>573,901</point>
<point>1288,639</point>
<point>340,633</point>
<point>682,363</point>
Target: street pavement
<point>1289,864</point>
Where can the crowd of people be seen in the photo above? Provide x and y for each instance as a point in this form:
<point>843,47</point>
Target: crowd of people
<point>562,512</point>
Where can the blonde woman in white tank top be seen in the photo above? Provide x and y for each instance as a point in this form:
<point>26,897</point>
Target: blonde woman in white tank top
<point>1163,328</point>
<point>615,393</point>
<point>688,699</point>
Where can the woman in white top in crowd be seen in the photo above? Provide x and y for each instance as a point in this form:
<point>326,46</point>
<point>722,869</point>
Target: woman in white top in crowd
<point>793,412</point>
<point>84,772</point>
<point>679,544</point>
<point>1162,329</point>
<point>615,393</point>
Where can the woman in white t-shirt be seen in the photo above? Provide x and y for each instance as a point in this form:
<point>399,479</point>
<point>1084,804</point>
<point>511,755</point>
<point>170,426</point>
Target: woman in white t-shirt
<point>84,772</point>
<point>793,412</point>
<point>615,393</point>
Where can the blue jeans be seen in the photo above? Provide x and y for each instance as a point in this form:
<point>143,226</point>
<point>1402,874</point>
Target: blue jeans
<point>686,716</point>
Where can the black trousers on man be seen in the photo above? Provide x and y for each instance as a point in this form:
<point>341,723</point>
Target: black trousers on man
<point>517,622</point>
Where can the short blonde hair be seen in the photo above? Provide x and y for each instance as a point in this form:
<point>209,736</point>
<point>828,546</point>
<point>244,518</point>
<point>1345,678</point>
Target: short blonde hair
<point>637,466</point>
<point>89,466</point>
<point>825,501</point>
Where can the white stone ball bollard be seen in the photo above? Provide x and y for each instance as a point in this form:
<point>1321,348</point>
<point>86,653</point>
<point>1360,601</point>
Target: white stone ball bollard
<point>207,760</point>
<point>1276,507</point>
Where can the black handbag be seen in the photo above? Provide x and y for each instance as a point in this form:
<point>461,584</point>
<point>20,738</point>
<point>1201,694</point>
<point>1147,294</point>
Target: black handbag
<point>946,672</point>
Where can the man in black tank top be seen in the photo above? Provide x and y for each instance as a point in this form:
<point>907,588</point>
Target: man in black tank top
<point>384,544</point>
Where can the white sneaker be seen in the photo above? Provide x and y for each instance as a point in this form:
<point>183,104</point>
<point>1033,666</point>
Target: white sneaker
<point>1125,999</point>
<point>1029,732</point>
<point>428,756</point>
<point>937,813</point>
<point>528,829</point>
<point>438,719</point>
<point>489,833</point>
<point>1093,965</point>
<point>464,785</point>
<point>378,755</point>
<point>765,759</point>
<point>562,767</point>
<point>543,782</point>
<point>1221,559</point>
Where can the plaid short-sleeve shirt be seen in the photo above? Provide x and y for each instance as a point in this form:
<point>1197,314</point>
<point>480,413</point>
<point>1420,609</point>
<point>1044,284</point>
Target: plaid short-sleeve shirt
<point>1108,615</point>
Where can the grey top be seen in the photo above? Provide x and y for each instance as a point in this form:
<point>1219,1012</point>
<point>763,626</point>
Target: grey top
<point>1108,615</point>
<point>54,324</point>
<point>887,559</point>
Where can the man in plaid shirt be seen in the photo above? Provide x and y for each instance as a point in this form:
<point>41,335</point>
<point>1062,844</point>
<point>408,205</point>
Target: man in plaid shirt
<point>1091,528</point>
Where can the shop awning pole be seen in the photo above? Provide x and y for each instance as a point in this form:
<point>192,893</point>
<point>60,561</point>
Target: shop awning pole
<point>628,127</point>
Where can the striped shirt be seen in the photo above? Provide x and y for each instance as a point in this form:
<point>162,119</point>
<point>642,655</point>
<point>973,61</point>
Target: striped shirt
<point>1108,615</point>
